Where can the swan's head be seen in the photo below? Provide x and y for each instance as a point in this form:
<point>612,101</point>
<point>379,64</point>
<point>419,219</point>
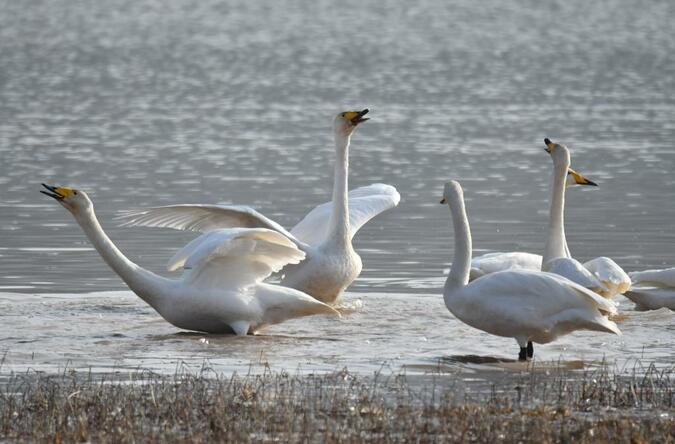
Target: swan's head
<point>345,123</point>
<point>73,200</point>
<point>452,192</point>
<point>558,151</point>
<point>574,178</point>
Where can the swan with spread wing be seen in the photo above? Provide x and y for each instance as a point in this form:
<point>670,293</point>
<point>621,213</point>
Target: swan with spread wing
<point>221,289</point>
<point>324,235</point>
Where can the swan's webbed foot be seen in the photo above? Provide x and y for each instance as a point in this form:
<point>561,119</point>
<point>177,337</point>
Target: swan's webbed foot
<point>522,356</point>
<point>530,349</point>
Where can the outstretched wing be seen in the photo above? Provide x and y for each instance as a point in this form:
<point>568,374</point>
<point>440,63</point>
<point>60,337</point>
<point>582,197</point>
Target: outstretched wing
<point>235,257</point>
<point>364,204</point>
<point>200,218</point>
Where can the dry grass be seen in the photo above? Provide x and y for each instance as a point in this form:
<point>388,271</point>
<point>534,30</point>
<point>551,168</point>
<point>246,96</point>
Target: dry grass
<point>533,406</point>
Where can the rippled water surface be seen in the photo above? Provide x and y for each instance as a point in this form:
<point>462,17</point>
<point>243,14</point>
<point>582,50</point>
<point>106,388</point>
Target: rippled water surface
<point>147,103</point>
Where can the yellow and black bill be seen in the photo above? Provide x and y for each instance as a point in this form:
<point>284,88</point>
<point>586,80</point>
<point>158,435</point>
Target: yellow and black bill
<point>579,179</point>
<point>356,117</point>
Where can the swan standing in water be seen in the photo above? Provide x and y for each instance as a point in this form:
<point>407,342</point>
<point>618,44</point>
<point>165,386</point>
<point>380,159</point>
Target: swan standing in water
<point>653,289</point>
<point>324,235</point>
<point>529,306</point>
<point>601,274</point>
<point>221,290</point>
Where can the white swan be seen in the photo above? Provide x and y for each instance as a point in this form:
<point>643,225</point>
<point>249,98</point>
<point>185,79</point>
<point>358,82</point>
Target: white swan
<point>221,290</point>
<point>529,306</point>
<point>653,289</point>
<point>601,274</point>
<point>325,234</point>
<point>519,260</point>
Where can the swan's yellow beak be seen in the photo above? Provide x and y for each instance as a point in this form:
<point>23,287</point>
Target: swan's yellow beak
<point>356,117</point>
<point>58,193</point>
<point>549,145</point>
<point>579,179</point>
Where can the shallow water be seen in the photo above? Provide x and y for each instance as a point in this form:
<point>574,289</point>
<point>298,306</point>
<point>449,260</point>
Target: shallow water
<point>146,103</point>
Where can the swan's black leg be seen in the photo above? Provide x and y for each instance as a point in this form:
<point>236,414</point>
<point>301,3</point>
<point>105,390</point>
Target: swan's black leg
<point>522,356</point>
<point>530,349</point>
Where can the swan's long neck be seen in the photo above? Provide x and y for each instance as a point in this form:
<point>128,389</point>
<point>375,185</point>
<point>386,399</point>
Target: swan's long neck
<point>339,218</point>
<point>461,266</point>
<point>147,285</point>
<point>556,244</point>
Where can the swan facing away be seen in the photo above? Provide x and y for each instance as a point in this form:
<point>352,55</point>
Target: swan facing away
<point>221,290</point>
<point>529,306</point>
<point>324,235</point>
<point>653,289</point>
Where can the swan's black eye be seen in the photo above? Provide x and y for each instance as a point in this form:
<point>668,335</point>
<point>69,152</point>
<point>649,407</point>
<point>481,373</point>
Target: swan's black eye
<point>75,193</point>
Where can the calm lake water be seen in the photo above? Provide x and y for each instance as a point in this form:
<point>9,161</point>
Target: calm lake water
<point>145,103</point>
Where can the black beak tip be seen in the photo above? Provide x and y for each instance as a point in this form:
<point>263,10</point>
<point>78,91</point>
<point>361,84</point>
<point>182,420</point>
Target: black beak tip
<point>51,193</point>
<point>442,201</point>
<point>547,141</point>
<point>591,183</point>
<point>364,112</point>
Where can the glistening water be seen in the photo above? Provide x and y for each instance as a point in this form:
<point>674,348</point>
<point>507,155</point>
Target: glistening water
<point>146,102</point>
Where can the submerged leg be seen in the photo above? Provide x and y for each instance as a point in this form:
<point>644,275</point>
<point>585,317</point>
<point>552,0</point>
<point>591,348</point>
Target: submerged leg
<point>530,349</point>
<point>522,356</point>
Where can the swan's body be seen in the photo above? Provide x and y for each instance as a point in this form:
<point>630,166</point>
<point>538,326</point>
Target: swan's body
<point>601,275</point>
<point>653,289</point>
<point>324,235</point>
<point>529,306</point>
<point>221,290</point>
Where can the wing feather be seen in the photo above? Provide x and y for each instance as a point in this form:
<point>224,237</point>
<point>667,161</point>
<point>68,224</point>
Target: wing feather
<point>235,257</point>
<point>364,204</point>
<point>201,218</point>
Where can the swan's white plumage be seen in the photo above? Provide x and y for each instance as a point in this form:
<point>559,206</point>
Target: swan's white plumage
<point>573,270</point>
<point>236,257</point>
<point>221,289</point>
<point>610,274</point>
<point>653,289</point>
<point>200,218</point>
<point>662,278</point>
<point>494,262</point>
<point>652,298</point>
<point>535,305</point>
<point>364,204</point>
